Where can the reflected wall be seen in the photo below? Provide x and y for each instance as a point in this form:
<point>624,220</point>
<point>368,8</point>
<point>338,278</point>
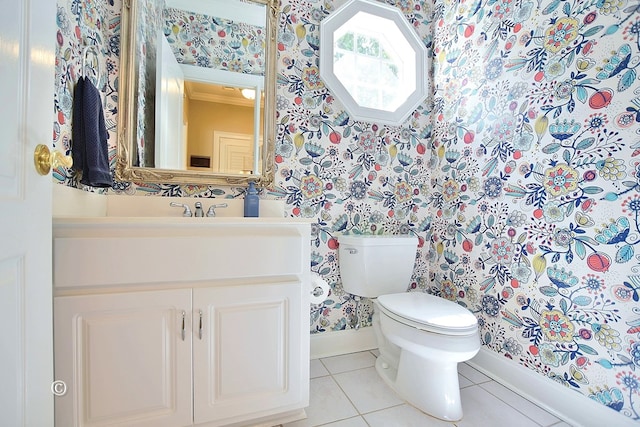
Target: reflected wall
<point>195,39</point>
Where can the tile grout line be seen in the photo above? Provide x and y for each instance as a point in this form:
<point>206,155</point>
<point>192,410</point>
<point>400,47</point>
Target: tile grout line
<point>345,393</point>
<point>360,414</point>
<point>516,409</point>
<point>480,385</point>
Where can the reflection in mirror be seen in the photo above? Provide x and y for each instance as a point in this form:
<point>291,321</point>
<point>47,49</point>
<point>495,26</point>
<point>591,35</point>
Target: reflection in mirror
<point>213,103</point>
<point>199,91</point>
<point>228,114</point>
<point>373,61</point>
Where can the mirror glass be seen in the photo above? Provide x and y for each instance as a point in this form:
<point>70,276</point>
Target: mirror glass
<point>198,85</point>
<point>373,61</point>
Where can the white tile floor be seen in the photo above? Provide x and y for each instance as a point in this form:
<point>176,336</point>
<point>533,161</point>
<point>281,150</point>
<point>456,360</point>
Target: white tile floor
<point>346,391</point>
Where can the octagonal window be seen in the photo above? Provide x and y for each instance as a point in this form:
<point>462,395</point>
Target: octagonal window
<point>373,61</point>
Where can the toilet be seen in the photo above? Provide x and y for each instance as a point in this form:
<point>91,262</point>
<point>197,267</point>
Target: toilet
<point>421,337</point>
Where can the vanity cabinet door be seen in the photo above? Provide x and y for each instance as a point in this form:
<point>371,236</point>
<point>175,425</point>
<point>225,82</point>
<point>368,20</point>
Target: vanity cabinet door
<point>124,358</point>
<point>249,361</point>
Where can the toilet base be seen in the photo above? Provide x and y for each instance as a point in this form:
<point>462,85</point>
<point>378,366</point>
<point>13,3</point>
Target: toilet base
<point>431,387</point>
<point>421,366</point>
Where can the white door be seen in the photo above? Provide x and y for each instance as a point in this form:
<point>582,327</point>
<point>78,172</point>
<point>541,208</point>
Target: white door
<point>27,37</point>
<point>234,152</point>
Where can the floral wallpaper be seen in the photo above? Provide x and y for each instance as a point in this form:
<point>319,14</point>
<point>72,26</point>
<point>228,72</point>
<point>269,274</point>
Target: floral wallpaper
<point>348,176</point>
<point>148,26</point>
<point>519,175</point>
<point>535,195</point>
<point>212,42</point>
<point>83,23</point>
<point>92,25</point>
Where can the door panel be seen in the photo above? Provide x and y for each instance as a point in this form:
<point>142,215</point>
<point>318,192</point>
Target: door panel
<point>125,366</point>
<point>233,152</point>
<point>246,364</point>
<point>27,42</point>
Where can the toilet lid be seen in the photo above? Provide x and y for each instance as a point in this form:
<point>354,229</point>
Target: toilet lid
<point>430,312</point>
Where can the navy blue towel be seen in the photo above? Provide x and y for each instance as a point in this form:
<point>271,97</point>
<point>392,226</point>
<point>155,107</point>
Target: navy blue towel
<point>90,151</point>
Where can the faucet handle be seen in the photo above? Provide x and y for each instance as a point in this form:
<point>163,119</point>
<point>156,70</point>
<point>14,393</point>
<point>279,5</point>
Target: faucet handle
<point>187,210</point>
<point>199,211</point>
<point>212,209</point>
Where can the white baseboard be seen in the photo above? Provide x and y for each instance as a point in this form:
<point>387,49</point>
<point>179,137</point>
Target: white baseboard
<point>565,403</point>
<point>328,344</point>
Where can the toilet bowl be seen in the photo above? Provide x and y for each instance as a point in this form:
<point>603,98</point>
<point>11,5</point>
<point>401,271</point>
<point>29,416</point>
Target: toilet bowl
<point>419,359</point>
<point>421,337</point>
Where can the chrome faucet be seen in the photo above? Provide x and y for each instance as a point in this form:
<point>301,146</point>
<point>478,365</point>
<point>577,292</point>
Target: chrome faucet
<point>199,211</point>
<point>187,210</point>
<point>212,209</point>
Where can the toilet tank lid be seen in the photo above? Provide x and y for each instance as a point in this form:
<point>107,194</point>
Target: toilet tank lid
<point>377,240</point>
<point>429,310</point>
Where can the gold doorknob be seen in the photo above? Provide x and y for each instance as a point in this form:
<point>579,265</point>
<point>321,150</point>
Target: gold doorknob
<point>45,159</point>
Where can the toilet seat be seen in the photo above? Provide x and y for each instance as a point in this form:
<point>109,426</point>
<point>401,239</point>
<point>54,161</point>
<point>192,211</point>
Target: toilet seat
<point>429,313</point>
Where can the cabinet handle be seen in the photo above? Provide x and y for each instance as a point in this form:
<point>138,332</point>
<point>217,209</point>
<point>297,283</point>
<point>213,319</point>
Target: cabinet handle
<point>200,327</point>
<point>183,332</point>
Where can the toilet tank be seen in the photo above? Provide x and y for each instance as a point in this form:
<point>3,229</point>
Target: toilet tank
<point>376,265</point>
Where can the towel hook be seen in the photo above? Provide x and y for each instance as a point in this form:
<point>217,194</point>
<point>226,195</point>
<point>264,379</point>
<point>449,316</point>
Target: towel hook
<point>85,52</point>
<point>93,49</point>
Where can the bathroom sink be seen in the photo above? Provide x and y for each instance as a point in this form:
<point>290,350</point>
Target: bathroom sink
<point>102,251</point>
<point>130,206</point>
<point>70,202</point>
<point>101,240</point>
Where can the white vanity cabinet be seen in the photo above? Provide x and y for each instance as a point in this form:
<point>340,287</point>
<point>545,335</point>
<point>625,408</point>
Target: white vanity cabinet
<point>123,359</point>
<point>247,353</point>
<point>216,336</point>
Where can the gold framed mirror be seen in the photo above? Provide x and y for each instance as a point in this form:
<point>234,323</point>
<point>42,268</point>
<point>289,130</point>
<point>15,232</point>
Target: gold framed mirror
<point>197,92</point>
